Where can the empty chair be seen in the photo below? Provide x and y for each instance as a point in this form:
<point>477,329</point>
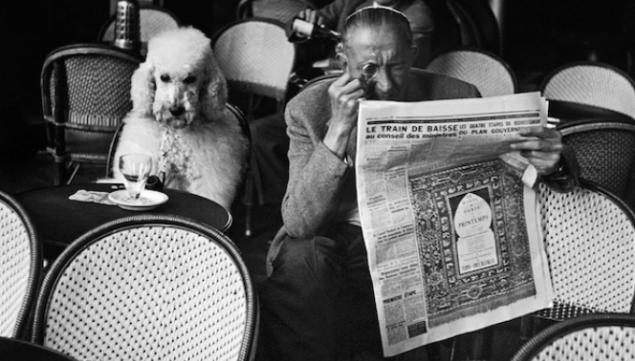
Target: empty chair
<point>605,151</point>
<point>489,73</point>
<point>152,20</point>
<point>20,265</point>
<point>604,337</point>
<point>257,60</point>
<point>256,57</point>
<point>85,95</point>
<point>590,84</point>
<point>149,288</point>
<point>590,244</point>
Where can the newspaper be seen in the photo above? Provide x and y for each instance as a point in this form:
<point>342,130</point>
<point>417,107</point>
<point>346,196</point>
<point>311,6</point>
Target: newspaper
<point>452,232</point>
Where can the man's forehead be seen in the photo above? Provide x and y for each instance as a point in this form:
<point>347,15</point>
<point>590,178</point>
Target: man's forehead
<point>364,36</point>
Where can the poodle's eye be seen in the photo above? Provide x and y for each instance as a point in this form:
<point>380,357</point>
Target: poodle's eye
<point>189,79</point>
<point>164,78</point>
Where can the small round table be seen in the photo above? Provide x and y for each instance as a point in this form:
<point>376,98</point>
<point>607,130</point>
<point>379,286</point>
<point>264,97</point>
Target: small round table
<point>14,350</point>
<point>58,221</point>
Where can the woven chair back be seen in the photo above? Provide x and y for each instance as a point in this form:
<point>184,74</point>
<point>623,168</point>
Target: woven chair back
<point>85,95</point>
<point>20,264</point>
<point>489,73</point>
<point>590,243</point>
<point>152,21</point>
<point>149,288</point>
<point>592,83</point>
<point>605,151</point>
<point>600,337</point>
<point>255,57</point>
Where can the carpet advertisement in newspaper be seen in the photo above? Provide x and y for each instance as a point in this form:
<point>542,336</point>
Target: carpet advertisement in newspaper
<point>450,222</point>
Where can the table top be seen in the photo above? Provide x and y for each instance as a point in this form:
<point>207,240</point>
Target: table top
<point>59,221</point>
<point>17,350</point>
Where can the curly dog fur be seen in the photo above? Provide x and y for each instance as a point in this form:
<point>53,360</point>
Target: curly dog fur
<point>179,118</point>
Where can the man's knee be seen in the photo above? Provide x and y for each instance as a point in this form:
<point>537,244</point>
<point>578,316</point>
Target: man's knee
<point>318,256</point>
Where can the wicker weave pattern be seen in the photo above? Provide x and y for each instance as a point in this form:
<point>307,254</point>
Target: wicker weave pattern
<point>255,52</point>
<point>488,74</point>
<point>151,23</point>
<point>15,266</point>
<point>597,343</point>
<point>605,156</point>
<point>149,293</point>
<point>590,247</point>
<point>98,90</point>
<point>594,85</point>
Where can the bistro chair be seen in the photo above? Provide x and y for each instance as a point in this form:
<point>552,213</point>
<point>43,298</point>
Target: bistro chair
<point>589,237</point>
<point>488,72</point>
<point>152,20</point>
<point>605,151</point>
<point>85,95</point>
<point>20,267</point>
<point>257,60</point>
<point>586,88</point>
<point>600,337</point>
<point>149,287</point>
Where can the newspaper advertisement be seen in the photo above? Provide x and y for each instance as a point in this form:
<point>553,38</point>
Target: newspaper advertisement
<point>452,231</point>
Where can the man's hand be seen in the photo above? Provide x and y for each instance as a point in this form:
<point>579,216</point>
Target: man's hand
<point>311,16</point>
<point>541,147</point>
<point>344,93</point>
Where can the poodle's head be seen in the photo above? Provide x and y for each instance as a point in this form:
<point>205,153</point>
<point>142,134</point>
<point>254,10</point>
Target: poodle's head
<point>180,82</point>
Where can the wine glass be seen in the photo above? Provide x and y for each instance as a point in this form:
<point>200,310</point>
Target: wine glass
<point>135,169</point>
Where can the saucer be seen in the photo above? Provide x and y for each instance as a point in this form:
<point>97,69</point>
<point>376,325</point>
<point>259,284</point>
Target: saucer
<point>147,200</point>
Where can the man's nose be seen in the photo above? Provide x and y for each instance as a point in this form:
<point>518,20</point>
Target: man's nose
<point>383,83</point>
<point>177,110</point>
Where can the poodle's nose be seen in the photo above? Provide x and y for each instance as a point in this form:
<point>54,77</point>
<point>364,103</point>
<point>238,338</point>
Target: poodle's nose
<point>176,111</point>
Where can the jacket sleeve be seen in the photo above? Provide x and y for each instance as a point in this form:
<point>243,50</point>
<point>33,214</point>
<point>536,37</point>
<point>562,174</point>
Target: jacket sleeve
<point>315,179</point>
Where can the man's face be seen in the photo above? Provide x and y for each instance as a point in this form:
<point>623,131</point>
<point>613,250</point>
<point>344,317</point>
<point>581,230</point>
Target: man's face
<point>380,60</point>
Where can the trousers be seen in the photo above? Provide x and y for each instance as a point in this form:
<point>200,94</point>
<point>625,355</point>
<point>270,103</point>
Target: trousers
<point>318,302</point>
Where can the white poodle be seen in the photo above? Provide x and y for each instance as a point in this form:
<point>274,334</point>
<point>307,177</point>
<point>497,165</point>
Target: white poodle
<point>180,119</point>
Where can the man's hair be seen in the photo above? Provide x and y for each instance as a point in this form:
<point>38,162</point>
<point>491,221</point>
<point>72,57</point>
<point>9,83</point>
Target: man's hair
<point>376,17</point>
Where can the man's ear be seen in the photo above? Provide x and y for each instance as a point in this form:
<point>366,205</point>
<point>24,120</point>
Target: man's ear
<point>341,58</point>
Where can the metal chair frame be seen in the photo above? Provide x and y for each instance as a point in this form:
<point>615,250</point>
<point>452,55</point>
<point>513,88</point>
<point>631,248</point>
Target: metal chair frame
<point>35,266</point>
<point>545,339</point>
<point>84,242</point>
<point>55,113</point>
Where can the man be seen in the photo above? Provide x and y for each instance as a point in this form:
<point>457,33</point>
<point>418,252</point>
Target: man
<point>318,301</point>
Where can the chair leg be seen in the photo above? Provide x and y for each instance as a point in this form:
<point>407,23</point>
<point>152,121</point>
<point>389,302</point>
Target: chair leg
<point>73,173</point>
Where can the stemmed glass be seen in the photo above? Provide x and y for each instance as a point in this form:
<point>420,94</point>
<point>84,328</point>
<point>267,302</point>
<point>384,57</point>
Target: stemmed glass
<point>135,169</point>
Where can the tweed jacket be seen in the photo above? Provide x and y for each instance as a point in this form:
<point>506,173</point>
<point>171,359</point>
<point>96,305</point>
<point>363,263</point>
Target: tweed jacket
<point>321,188</point>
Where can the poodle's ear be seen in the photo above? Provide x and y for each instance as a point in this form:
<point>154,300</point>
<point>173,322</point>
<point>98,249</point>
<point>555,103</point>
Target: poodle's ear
<point>142,89</point>
<point>214,92</point>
